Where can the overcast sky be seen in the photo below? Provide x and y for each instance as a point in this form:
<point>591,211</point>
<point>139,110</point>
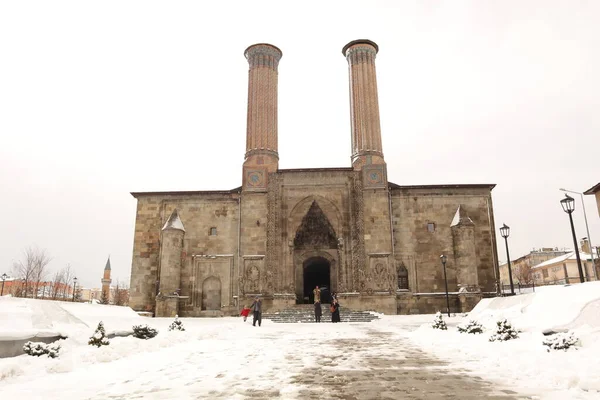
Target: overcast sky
<point>98,99</point>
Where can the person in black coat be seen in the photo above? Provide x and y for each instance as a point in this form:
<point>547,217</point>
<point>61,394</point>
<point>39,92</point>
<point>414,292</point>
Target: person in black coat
<point>335,313</point>
<point>256,308</point>
<point>318,312</point>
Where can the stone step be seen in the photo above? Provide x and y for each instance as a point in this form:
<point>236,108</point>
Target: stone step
<point>304,313</point>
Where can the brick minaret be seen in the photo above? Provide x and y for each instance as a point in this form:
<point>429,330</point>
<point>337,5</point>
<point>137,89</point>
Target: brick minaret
<point>106,280</point>
<point>261,133</point>
<point>364,104</point>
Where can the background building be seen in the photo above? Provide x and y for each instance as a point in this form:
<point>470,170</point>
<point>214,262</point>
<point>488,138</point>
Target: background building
<point>595,190</point>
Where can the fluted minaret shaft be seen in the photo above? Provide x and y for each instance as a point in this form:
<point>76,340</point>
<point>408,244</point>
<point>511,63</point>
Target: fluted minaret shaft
<point>261,133</point>
<point>364,104</point>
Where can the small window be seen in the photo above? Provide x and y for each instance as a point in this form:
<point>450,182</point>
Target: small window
<point>545,273</point>
<point>213,231</point>
<point>431,227</point>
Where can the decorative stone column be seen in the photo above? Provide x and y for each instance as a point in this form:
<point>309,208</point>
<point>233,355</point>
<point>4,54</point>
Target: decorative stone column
<point>465,258</point>
<point>364,103</point>
<point>167,301</point>
<point>261,133</point>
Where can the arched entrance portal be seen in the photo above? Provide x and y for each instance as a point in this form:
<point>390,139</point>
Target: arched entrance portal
<point>317,272</point>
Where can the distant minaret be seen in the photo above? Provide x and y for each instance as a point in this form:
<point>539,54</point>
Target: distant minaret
<point>106,280</point>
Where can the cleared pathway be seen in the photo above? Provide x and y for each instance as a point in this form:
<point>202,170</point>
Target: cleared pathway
<point>228,359</point>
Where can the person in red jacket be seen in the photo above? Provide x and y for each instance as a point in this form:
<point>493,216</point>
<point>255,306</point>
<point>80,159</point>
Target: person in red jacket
<point>245,312</point>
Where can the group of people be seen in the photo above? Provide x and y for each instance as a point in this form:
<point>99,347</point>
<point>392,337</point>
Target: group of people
<point>256,308</point>
<point>334,307</point>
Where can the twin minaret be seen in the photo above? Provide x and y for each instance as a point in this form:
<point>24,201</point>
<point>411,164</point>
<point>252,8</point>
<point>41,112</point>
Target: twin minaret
<point>261,135</point>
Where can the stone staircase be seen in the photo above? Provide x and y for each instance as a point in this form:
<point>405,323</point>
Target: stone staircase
<point>305,313</point>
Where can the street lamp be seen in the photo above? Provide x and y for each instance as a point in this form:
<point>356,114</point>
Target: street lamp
<point>504,232</point>
<point>587,229</point>
<point>568,205</point>
<point>4,277</point>
<point>444,260</point>
<point>74,286</point>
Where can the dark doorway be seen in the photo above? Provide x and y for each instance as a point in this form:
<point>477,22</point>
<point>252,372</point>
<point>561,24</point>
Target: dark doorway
<point>317,273</point>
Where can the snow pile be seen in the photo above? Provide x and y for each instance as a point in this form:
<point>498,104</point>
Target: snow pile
<point>526,364</point>
<point>549,307</point>
<point>24,318</point>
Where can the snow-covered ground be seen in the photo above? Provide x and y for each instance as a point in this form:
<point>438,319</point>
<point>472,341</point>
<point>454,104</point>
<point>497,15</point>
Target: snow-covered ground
<point>395,357</point>
<point>524,363</point>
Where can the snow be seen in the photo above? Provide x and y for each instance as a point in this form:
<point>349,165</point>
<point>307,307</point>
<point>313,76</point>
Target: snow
<point>227,358</point>
<point>564,257</point>
<point>174,222</point>
<point>525,362</point>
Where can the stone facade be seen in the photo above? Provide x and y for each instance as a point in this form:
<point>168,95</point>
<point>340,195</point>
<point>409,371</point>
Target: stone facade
<point>375,243</point>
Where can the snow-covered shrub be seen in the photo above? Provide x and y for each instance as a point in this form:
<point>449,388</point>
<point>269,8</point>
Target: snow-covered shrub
<point>504,331</point>
<point>560,341</point>
<point>53,350</point>
<point>99,337</point>
<point>471,327</point>
<point>438,322</point>
<point>176,325</point>
<point>144,332</point>
<point>39,349</point>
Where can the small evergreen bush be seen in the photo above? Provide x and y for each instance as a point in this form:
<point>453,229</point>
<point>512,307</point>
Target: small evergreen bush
<point>38,349</point>
<point>471,327</point>
<point>176,325</point>
<point>99,337</point>
<point>560,341</point>
<point>144,332</point>
<point>504,331</point>
<point>438,322</point>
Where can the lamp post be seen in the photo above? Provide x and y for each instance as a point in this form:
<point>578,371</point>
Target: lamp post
<point>4,276</point>
<point>444,260</point>
<point>568,205</point>
<point>587,229</point>
<point>74,286</point>
<point>505,232</point>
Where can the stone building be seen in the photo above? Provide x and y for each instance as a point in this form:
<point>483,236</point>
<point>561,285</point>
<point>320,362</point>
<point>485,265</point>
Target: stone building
<point>285,231</point>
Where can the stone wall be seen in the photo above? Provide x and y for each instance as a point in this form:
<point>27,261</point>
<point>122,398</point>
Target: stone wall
<point>199,212</point>
<point>420,249</point>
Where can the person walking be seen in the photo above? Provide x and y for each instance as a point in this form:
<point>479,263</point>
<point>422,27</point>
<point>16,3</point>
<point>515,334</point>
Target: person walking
<point>256,307</point>
<point>318,312</point>
<point>317,294</point>
<point>245,312</point>
<point>335,311</point>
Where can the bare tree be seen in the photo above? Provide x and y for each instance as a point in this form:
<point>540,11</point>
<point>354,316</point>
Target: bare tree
<point>31,269</point>
<point>121,296</point>
<point>524,273</point>
<point>67,281</point>
<point>56,284</point>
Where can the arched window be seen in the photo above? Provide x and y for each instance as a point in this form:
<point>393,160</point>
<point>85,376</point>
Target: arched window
<point>402,277</point>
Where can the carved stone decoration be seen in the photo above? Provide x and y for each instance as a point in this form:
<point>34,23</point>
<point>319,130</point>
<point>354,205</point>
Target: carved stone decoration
<point>273,261</point>
<point>252,280</point>
<point>357,234</point>
<point>315,231</point>
<point>380,276</point>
